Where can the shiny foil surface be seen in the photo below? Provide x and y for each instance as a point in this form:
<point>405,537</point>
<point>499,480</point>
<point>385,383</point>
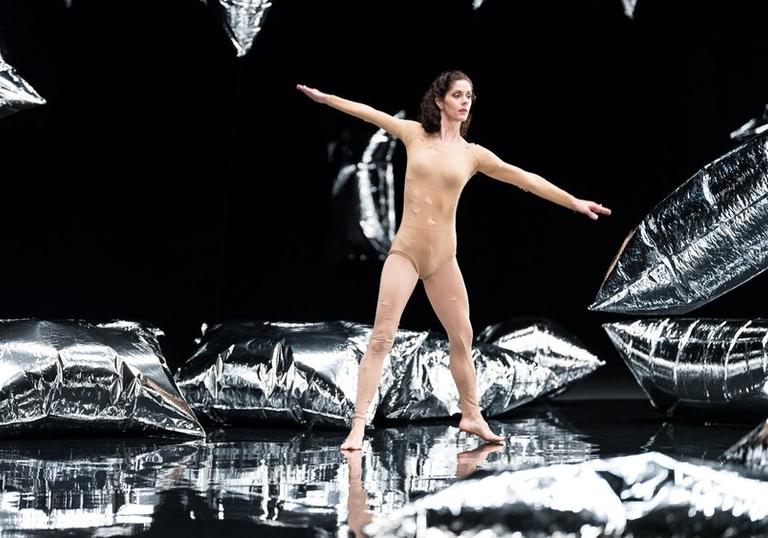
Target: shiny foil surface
<point>753,128</point>
<point>306,373</point>
<point>704,239</point>
<point>638,495</point>
<point>751,450</point>
<point>710,369</point>
<point>282,478</point>
<point>629,7</point>
<point>546,343</point>
<point>363,195</point>
<point>15,93</point>
<point>92,378</point>
<point>242,20</point>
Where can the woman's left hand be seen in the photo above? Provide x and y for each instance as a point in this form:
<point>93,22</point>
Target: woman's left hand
<point>589,208</point>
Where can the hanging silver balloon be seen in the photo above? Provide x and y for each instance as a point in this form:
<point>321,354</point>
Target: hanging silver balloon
<point>363,196</point>
<point>638,495</point>
<point>629,7</point>
<point>704,239</point>
<point>93,378</point>
<point>709,369</point>
<point>15,93</point>
<point>753,128</point>
<point>241,19</point>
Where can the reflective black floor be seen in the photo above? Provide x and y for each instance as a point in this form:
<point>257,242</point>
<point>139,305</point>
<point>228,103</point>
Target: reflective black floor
<point>296,482</point>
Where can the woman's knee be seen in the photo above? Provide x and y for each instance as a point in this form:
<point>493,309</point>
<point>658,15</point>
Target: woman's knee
<point>461,338</point>
<point>382,339</point>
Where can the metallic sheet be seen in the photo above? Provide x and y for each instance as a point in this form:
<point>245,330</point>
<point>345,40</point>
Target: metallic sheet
<point>242,20</point>
<point>363,195</point>
<point>639,495</point>
<point>704,239</point>
<point>710,369</point>
<point>276,477</point>
<point>752,128</point>
<point>306,373</point>
<point>751,450</point>
<point>544,342</point>
<point>87,377</point>
<point>15,93</point>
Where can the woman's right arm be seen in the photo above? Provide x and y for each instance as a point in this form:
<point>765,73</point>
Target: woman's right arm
<point>402,129</point>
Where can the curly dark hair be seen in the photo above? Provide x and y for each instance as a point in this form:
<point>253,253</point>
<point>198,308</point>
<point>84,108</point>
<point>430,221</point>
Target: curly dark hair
<point>429,114</point>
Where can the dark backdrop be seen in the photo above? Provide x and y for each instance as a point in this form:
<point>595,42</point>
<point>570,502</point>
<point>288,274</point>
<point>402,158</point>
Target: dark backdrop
<point>169,181</point>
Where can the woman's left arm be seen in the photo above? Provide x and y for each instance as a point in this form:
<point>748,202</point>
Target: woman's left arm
<point>491,165</point>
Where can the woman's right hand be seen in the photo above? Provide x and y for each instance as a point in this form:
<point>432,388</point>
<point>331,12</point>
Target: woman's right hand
<point>313,93</point>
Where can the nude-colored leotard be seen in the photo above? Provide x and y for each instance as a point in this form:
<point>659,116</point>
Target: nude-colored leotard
<point>435,175</point>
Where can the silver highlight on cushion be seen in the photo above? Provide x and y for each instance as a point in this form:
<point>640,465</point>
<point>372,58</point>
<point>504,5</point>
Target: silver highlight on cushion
<point>639,495</point>
<point>711,369</point>
<point>754,127</point>
<point>89,377</point>
<point>306,373</point>
<point>15,93</point>
<point>704,239</point>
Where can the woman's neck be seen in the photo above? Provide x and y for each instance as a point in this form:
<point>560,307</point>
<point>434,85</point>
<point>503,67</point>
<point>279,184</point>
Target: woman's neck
<point>450,132</point>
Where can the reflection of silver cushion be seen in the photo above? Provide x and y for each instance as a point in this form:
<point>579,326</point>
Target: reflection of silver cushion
<point>104,377</point>
<point>701,241</point>
<point>306,373</point>
<point>641,495</point>
<point>712,369</point>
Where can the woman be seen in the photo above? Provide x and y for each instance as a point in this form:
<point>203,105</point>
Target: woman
<point>439,163</point>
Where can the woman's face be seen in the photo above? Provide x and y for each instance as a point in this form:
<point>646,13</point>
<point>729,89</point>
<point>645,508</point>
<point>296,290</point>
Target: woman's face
<point>457,101</point>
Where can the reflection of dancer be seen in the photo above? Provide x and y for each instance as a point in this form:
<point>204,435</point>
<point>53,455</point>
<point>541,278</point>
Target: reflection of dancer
<point>440,162</point>
<point>358,515</point>
<point>468,461</point>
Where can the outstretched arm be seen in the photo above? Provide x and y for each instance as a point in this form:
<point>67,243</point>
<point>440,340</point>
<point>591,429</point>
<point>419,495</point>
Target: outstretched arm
<point>490,165</point>
<point>394,126</point>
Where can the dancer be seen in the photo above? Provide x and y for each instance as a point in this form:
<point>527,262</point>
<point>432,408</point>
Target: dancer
<point>439,163</point>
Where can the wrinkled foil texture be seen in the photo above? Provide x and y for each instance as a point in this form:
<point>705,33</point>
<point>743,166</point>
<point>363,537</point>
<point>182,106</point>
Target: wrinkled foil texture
<point>306,373</point>
<point>242,20</point>
<point>363,195</point>
<point>639,495</point>
<point>87,377</point>
<point>544,342</point>
<point>15,93</point>
<point>704,239</point>
<point>710,369</point>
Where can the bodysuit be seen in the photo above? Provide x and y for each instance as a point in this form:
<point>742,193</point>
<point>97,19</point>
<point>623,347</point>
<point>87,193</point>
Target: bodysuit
<point>434,178</point>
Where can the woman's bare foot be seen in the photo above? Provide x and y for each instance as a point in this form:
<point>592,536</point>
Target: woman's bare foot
<point>478,426</point>
<point>469,460</point>
<point>354,440</point>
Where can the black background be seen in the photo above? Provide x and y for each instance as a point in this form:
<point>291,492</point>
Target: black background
<point>167,180</point>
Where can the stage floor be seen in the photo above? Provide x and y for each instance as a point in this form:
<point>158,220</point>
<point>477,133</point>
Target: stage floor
<point>292,482</point>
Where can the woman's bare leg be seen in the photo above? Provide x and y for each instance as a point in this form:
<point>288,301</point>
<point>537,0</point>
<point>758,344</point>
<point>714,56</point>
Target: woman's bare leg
<point>398,279</point>
<point>448,296</point>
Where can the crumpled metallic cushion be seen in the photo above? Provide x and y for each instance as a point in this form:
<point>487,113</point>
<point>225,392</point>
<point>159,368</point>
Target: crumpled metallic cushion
<point>88,377</point>
<point>710,369</point>
<point>753,128</point>
<point>15,93</point>
<point>701,241</point>
<point>751,450</point>
<point>639,495</point>
<point>546,343</point>
<point>306,373</point>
